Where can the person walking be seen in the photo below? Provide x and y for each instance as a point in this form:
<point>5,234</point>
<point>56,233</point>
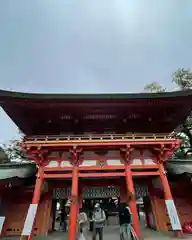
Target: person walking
<point>82,223</point>
<point>99,219</point>
<point>125,221</point>
<point>107,216</point>
<point>91,221</point>
<point>63,220</point>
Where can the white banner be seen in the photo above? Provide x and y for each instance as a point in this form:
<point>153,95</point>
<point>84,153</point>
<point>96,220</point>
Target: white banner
<point>173,216</point>
<point>28,226</point>
<point>2,220</point>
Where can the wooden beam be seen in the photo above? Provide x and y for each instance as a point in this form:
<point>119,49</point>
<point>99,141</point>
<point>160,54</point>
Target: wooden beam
<point>102,167</point>
<point>101,175</point>
<point>98,168</point>
<point>145,173</point>
<point>104,158</point>
<point>56,169</point>
<point>144,166</point>
<point>96,143</point>
<point>97,174</point>
<point>59,176</point>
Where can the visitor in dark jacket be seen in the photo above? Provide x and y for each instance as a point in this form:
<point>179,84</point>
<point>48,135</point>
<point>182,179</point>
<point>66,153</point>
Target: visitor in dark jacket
<point>107,216</point>
<point>63,220</point>
<point>125,220</point>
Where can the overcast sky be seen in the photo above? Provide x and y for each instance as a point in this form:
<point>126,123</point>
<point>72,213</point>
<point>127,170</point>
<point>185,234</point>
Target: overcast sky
<point>91,46</point>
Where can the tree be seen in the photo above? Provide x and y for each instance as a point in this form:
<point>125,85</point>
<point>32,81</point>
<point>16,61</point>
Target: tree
<point>154,87</point>
<point>3,156</point>
<point>14,151</point>
<point>183,79</point>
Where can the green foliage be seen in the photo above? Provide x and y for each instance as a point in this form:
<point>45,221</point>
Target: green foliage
<point>183,79</point>
<point>14,151</point>
<point>3,156</point>
<point>154,87</point>
<point>184,152</point>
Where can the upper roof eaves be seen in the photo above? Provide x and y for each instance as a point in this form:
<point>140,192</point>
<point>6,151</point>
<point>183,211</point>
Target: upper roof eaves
<point>106,96</point>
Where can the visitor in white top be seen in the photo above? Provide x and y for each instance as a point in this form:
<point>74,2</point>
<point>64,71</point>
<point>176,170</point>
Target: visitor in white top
<point>82,223</point>
<point>99,219</point>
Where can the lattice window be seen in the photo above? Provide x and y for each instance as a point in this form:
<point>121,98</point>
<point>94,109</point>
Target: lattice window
<point>61,193</point>
<point>141,191</point>
<point>101,192</point>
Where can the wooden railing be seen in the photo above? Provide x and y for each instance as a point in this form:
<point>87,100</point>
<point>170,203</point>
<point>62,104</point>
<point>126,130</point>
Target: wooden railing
<point>103,137</point>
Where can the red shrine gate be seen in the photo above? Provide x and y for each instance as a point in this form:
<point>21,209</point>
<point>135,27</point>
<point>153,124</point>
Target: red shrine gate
<point>82,155</point>
<point>114,157</point>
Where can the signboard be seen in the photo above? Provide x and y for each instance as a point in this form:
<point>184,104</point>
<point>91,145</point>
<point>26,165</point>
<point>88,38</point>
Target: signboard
<point>173,216</point>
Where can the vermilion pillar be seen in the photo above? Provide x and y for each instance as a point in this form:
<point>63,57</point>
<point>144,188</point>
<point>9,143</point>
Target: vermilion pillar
<point>73,205</point>
<point>27,232</point>
<point>169,201</point>
<point>165,183</point>
<point>132,201</point>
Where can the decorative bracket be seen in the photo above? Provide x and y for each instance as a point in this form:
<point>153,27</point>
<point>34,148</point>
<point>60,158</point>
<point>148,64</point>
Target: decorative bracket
<point>75,153</point>
<point>38,155</point>
<point>163,153</point>
<point>127,153</point>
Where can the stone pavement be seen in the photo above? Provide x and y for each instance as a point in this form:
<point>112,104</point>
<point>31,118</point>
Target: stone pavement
<point>110,233</point>
<point>151,235</point>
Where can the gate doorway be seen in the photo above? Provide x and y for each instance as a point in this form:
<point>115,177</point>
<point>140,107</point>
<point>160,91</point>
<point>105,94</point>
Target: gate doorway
<point>105,191</point>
